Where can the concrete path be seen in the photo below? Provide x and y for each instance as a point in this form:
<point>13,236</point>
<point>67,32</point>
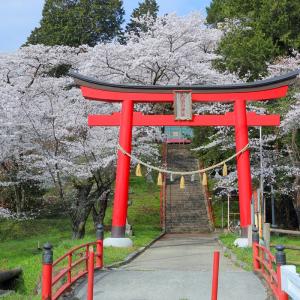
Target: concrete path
<point>177,267</point>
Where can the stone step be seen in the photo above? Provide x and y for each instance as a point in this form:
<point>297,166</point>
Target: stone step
<point>190,226</point>
<point>195,218</point>
<point>185,209</point>
<point>180,221</point>
<point>186,228</point>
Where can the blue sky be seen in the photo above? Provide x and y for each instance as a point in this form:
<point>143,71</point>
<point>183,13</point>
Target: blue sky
<point>19,17</point>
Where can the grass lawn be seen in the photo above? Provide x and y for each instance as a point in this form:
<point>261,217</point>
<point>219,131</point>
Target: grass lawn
<point>242,254</point>
<point>292,256</point>
<point>245,254</point>
<point>19,240</point>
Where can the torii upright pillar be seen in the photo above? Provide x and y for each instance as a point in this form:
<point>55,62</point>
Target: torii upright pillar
<point>123,173</point>
<point>238,94</point>
<point>243,165</point>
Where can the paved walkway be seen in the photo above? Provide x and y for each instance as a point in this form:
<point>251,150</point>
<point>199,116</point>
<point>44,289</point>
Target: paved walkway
<point>177,267</point>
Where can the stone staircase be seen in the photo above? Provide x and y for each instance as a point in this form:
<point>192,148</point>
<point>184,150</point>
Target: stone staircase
<point>185,208</point>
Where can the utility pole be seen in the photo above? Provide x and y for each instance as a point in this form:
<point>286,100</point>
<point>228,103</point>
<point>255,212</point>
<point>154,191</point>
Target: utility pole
<point>273,207</point>
<point>228,212</point>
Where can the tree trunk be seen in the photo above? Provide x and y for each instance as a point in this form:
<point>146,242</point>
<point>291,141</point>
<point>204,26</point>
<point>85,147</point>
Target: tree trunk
<point>80,210</point>
<point>297,199</point>
<point>19,199</point>
<point>99,208</point>
<point>89,198</point>
<point>78,229</point>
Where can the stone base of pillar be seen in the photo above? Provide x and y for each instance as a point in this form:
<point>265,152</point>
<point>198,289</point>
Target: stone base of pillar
<point>241,242</point>
<point>244,232</point>
<point>118,242</point>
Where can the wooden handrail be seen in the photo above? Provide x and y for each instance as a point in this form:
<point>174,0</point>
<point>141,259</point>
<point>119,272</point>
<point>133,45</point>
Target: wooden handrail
<point>285,231</point>
<point>71,251</point>
<point>289,247</point>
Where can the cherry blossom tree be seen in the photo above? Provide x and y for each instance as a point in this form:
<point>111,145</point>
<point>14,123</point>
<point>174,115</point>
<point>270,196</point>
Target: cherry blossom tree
<point>280,145</point>
<point>290,131</point>
<point>45,130</point>
<point>175,50</point>
<point>14,142</point>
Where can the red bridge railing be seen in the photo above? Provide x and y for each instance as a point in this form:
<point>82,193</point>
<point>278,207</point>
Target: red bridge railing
<point>58,276</point>
<point>268,265</point>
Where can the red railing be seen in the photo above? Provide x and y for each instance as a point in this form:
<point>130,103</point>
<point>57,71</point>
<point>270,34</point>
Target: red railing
<point>71,266</point>
<point>57,277</point>
<point>265,264</point>
<point>268,266</point>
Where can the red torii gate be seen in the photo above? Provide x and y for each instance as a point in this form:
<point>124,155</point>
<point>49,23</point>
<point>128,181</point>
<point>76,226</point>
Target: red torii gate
<point>128,95</point>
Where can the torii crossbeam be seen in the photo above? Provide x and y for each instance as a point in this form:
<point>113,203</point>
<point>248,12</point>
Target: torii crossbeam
<point>128,95</point>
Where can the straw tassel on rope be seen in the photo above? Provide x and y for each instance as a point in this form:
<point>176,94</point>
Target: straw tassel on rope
<point>182,183</point>
<point>225,170</point>
<point>204,179</point>
<point>159,179</point>
<point>138,171</point>
<point>166,171</point>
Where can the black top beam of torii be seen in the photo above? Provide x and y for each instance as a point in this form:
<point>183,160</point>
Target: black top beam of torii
<point>270,83</point>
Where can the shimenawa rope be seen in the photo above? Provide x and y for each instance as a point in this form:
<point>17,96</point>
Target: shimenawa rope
<point>166,171</point>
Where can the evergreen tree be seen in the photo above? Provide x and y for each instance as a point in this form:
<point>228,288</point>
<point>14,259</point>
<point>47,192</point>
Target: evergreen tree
<point>260,30</point>
<point>246,53</point>
<point>78,22</point>
<point>147,7</point>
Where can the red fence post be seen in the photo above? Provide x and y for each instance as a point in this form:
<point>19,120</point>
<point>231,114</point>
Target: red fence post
<point>70,268</point>
<point>280,261</point>
<point>255,249</point>
<point>47,272</point>
<point>99,248</point>
<point>215,278</point>
<point>90,291</point>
